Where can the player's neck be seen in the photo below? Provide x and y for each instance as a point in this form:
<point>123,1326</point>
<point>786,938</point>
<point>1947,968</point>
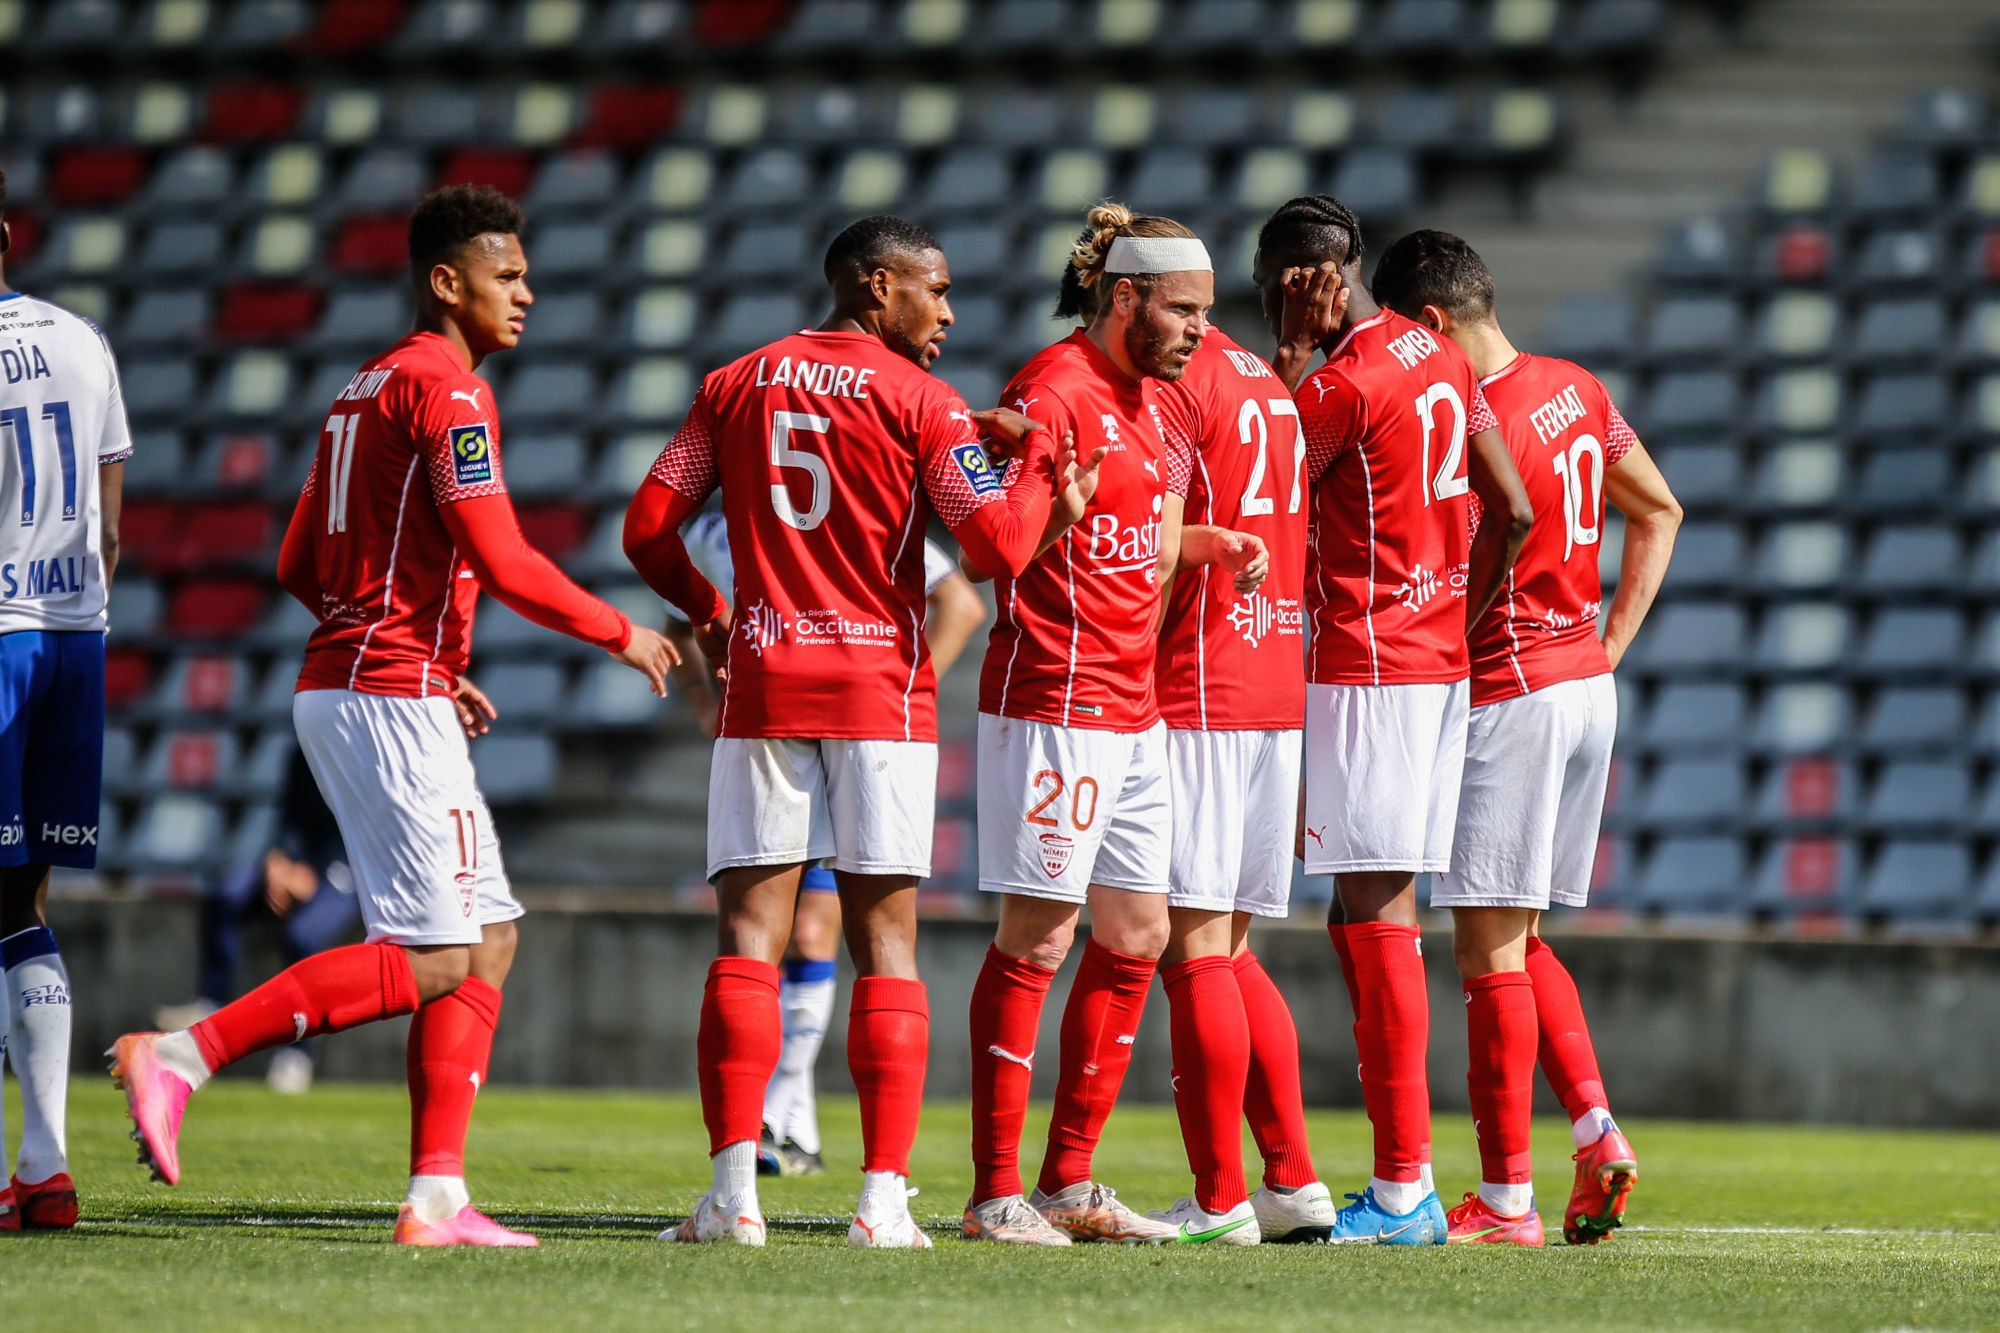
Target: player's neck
<point>1488,347</point>
<point>447,329</point>
<point>1099,335</point>
<point>1361,308</point>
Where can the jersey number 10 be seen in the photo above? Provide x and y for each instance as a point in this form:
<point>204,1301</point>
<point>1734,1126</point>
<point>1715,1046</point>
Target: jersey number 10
<point>1577,492</point>
<point>57,414</point>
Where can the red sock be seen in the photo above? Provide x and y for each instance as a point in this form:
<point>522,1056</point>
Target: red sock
<point>737,1048</point>
<point>1569,1061</point>
<point>328,992</point>
<point>1211,1038</point>
<point>1500,1026</point>
<point>1006,1014</point>
<point>1392,1029</point>
<point>888,1047</point>
<point>1346,956</point>
<point>1099,1026</point>
<point>451,1045</point>
<point>1272,1098</point>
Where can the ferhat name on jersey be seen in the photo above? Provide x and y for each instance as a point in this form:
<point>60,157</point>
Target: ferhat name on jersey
<point>828,379</point>
<point>1558,414</point>
<point>44,578</point>
<point>24,361</point>
<point>1257,617</point>
<point>765,625</point>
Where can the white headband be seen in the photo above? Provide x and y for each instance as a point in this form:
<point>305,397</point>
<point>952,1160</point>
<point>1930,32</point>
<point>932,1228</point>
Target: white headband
<point>1157,254</point>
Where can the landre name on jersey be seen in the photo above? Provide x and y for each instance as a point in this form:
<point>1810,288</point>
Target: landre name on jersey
<point>828,379</point>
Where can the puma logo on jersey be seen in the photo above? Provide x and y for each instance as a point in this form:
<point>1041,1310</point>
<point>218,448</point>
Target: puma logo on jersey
<point>1153,468</point>
<point>472,397</point>
<point>1022,405</point>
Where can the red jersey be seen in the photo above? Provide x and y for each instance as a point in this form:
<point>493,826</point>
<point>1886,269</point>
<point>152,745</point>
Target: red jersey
<point>1386,420</point>
<point>1229,662</point>
<point>412,431</point>
<point>1073,643</point>
<point>826,446</point>
<point>1564,431</point>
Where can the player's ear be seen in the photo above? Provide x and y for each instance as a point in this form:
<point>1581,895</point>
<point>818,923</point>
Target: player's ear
<point>880,283</point>
<point>447,284</point>
<point>1435,318</point>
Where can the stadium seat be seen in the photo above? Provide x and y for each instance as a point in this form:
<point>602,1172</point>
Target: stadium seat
<point>515,769</point>
<point>203,684</point>
<point>216,609</point>
<point>544,466</point>
<point>1376,182</point>
<point>1903,640</point>
<point>176,832</point>
<point>128,674</point>
<point>1797,475</point>
<point>1914,796</point>
<point>1694,794</point>
<point>1802,718</point>
<point>1693,635</point>
<point>1805,877</point>
<point>1707,718</point>
<point>611,696</point>
<point>551,392</point>
<point>1909,560</point>
<point>1803,556</point>
<point>555,529</point>
<point>239,113</point>
<point>527,694</point>
<point>1904,404</point>
<point>1595,329</point>
<point>1694,329</point>
<point>1693,875</point>
<point>1808,792</point>
<point>1918,881</point>
<point>189,760</point>
<point>1915,481</point>
<point>1922,719</point>
<point>135,607</point>
<point>1709,556</point>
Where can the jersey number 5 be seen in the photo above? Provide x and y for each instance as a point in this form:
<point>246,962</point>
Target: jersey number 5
<point>1579,493</point>
<point>1451,479</point>
<point>784,456</point>
<point>1253,428</point>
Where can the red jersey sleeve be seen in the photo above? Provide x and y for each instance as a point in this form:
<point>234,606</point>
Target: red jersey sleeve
<point>1331,413</point>
<point>459,433</point>
<point>688,464</point>
<point>1478,413</point>
<point>1619,437</point>
<point>997,515</point>
<point>1177,451</point>
<point>1181,424</point>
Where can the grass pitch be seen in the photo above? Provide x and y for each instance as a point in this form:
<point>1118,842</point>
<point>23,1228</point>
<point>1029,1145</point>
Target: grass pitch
<point>283,1220</point>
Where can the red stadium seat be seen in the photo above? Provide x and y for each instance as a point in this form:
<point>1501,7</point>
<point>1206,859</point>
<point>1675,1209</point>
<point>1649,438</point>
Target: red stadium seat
<point>351,27</point>
<point>216,608</point>
<point>372,245</point>
<point>128,674</point>
<point>147,532</point>
<point>228,534</point>
<point>556,529</point>
<point>26,230</point>
<point>267,312</point>
<point>252,112</point>
<point>738,22</point>
<point>193,759</point>
<point>210,684</point>
<point>94,177</point>
<point>630,117</point>
<point>504,169</point>
<point>1812,788</point>
<point>1989,255</point>
<point>1802,254</point>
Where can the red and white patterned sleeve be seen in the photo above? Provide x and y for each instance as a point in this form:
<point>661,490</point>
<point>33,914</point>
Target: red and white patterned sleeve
<point>1619,438</point>
<point>688,464</point>
<point>1330,415</point>
<point>957,474</point>
<point>997,514</point>
<point>1479,413</point>
<point>459,434</point>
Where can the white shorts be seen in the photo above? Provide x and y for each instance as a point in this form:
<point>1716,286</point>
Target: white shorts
<point>1062,808</point>
<point>1535,770</point>
<point>1236,811</point>
<point>863,806</point>
<point>1382,771</point>
<point>398,777</point>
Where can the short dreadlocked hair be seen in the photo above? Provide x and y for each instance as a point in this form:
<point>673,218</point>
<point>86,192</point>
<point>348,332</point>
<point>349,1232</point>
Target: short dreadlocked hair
<point>1308,231</point>
<point>449,219</point>
<point>869,243</point>
<point>1434,268</point>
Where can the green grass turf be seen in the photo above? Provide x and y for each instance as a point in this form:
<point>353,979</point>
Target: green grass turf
<point>283,1219</point>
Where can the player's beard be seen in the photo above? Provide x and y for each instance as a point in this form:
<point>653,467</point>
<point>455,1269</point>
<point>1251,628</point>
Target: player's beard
<point>1152,349</point>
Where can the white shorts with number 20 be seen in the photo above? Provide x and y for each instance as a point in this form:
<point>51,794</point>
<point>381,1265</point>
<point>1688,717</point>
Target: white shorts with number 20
<point>1062,808</point>
<point>397,774</point>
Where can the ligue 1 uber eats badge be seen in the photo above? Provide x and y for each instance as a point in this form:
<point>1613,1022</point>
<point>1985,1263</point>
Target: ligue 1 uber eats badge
<point>471,456</point>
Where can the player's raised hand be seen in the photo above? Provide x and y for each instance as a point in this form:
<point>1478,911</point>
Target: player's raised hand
<point>1315,305</point>
<point>475,710</point>
<point>651,656</point>
<point>1245,556</point>
<point>1076,478</point>
<point>713,640</point>
<point>1003,430</point>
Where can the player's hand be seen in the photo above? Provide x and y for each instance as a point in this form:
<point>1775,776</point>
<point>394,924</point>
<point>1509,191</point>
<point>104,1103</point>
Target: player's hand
<point>713,640</point>
<point>475,710</point>
<point>1003,431</point>
<point>1076,478</point>
<point>287,883</point>
<point>1315,306</point>
<point>651,656</point>
<point>1245,556</point>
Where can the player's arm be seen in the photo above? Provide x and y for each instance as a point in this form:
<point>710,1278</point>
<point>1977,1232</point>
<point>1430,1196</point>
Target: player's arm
<point>1242,554</point>
<point>110,504</point>
<point>693,674</point>
<point>955,610</point>
<point>1001,520</point>
<point>682,477</point>
<point>1503,500</point>
<point>298,564</point>
<point>1635,488</point>
<point>1315,305</point>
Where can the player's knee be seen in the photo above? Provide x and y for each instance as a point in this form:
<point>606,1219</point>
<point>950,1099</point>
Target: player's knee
<point>1475,958</point>
<point>1053,947</point>
<point>1142,938</point>
<point>439,970</point>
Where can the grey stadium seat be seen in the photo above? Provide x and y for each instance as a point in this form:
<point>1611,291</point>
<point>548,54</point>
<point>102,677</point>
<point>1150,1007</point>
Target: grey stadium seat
<point>1918,881</point>
<point>1902,561</point>
<point>1802,717</point>
<point>1917,797</point>
<point>515,770</point>
<point>541,467</point>
<point>1693,875</point>
<point>1695,328</point>
<point>1913,640</point>
<point>1694,794</point>
<point>1921,719</point>
<point>528,693</point>
<point>1695,717</point>
<point>1802,875</point>
<point>1695,635</point>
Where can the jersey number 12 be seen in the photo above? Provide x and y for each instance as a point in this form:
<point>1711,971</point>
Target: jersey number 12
<point>1450,480</point>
